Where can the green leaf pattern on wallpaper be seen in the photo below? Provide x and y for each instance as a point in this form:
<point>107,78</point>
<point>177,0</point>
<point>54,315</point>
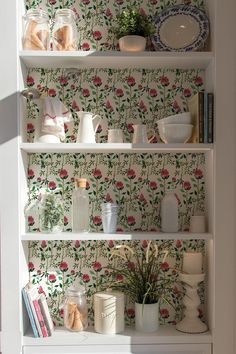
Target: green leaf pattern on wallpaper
<point>95,18</point>
<point>122,97</point>
<point>60,264</point>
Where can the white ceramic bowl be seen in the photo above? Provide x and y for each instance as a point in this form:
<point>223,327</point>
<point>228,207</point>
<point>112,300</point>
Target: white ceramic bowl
<point>181,118</point>
<point>175,133</point>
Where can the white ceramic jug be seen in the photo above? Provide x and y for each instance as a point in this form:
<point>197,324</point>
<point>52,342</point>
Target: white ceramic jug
<point>88,125</point>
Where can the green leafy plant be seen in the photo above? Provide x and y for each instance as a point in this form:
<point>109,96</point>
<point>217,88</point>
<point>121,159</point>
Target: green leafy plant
<point>132,22</point>
<point>140,272</point>
<point>51,213</point>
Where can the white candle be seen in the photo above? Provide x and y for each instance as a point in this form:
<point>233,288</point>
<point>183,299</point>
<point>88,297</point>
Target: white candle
<point>109,312</point>
<point>192,263</point>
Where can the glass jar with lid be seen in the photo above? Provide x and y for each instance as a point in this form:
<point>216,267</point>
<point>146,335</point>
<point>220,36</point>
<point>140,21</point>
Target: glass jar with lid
<point>64,32</point>
<point>36,34</point>
<point>75,309</point>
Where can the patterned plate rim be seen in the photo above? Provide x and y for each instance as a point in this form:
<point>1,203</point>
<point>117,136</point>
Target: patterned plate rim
<point>199,15</point>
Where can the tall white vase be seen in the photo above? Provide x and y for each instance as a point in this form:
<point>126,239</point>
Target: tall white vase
<point>146,317</point>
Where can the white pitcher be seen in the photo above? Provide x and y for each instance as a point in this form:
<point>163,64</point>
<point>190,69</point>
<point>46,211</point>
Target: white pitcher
<point>88,125</point>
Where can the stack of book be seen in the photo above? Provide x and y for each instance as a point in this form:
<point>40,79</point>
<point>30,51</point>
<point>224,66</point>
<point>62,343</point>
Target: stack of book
<point>38,312</point>
<point>201,108</point>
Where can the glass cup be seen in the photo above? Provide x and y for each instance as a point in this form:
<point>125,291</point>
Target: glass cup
<point>115,136</point>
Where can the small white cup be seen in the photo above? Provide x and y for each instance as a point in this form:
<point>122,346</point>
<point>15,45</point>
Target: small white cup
<point>197,223</point>
<point>115,136</point>
<point>140,134</point>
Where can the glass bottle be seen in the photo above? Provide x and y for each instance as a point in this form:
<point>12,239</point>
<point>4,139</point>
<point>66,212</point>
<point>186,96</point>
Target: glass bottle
<point>80,206</point>
<point>75,309</point>
<point>64,32</point>
<point>51,212</point>
<point>36,34</point>
<point>169,213</point>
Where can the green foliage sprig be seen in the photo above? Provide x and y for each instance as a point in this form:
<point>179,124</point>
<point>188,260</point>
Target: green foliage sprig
<point>132,22</point>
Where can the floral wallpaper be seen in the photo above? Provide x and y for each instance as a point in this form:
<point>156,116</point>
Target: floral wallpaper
<point>95,19</point>
<point>60,264</point>
<point>137,182</point>
<point>121,97</point>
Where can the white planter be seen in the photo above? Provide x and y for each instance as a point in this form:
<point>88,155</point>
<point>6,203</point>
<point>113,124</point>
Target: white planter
<point>146,317</point>
<point>132,43</point>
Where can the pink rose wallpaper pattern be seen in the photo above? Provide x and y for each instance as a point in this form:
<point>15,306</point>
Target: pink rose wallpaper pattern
<point>60,264</point>
<point>96,19</point>
<point>121,97</point>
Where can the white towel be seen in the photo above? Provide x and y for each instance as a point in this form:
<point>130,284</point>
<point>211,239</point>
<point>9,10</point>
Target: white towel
<point>55,114</point>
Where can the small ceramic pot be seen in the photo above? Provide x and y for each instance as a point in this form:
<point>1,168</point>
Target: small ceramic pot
<point>132,43</point>
<point>146,317</point>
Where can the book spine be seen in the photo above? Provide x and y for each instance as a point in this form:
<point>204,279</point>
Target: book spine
<point>30,313</point>
<point>205,140</point>
<point>46,314</point>
<point>201,117</point>
<point>34,313</point>
<point>40,318</point>
<point>210,117</point>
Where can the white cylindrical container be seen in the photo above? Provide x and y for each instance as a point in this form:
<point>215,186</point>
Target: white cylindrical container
<point>109,307</point>
<point>169,213</point>
<point>197,223</point>
<point>146,317</point>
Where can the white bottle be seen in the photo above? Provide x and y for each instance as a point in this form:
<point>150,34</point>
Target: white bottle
<point>169,213</point>
<point>80,207</point>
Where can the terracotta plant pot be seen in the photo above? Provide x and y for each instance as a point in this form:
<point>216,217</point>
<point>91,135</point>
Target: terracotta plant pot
<point>132,43</point>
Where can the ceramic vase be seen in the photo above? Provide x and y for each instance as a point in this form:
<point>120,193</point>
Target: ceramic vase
<point>146,317</point>
<point>132,43</point>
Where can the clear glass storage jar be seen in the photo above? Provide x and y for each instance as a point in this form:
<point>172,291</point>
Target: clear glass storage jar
<point>75,309</point>
<point>36,34</point>
<point>51,212</point>
<point>64,34</point>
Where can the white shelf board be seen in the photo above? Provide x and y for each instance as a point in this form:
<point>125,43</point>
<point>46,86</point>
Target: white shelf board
<point>116,59</point>
<point>107,148</point>
<point>164,335</point>
<point>69,236</point>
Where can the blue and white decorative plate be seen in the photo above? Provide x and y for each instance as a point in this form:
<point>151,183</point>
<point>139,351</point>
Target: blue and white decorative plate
<point>181,28</point>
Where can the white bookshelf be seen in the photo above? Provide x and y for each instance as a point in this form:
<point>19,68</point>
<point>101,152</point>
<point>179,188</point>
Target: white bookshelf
<point>66,236</point>
<point>219,65</point>
<point>115,59</point>
<point>119,147</point>
<point>166,334</point>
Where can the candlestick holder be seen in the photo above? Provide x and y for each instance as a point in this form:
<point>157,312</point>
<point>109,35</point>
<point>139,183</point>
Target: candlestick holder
<point>191,323</point>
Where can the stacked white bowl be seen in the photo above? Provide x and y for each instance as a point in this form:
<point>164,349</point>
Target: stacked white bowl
<point>176,128</point>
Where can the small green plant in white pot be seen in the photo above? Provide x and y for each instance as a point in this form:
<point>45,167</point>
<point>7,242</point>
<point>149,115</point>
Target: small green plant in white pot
<point>133,27</point>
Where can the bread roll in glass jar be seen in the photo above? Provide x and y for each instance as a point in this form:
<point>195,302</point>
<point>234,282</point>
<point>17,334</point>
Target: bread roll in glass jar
<point>75,309</point>
<point>36,30</point>
<point>64,32</point>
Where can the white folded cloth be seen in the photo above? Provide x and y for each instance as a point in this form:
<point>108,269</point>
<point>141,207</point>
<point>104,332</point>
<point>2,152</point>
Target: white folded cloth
<point>55,114</point>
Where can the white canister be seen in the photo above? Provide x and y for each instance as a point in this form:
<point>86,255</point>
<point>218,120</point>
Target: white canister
<point>169,213</point>
<point>109,309</point>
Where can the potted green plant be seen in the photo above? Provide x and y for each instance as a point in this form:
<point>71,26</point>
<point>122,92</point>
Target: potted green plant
<point>133,27</point>
<point>143,280</point>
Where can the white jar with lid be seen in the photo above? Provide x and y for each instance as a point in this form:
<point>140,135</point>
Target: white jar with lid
<point>109,309</point>
<point>169,213</point>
